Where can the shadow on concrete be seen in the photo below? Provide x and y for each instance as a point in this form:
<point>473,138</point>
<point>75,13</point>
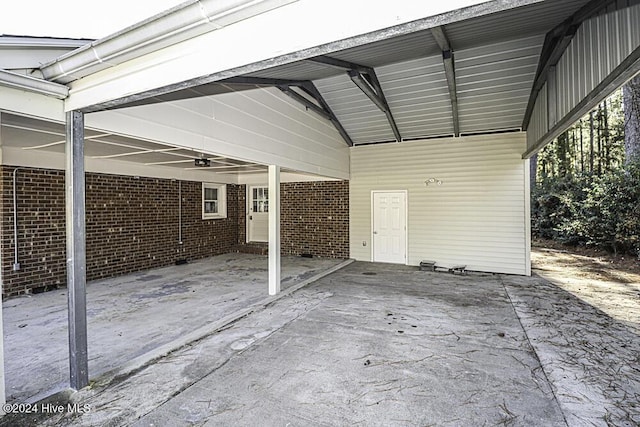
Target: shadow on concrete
<point>591,359</point>
<point>132,316</point>
<point>376,344</point>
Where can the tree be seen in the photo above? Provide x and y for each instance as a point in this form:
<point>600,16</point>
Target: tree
<point>631,99</point>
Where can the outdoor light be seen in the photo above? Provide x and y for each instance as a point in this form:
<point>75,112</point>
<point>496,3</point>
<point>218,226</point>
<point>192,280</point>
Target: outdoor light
<point>203,163</point>
<point>433,181</point>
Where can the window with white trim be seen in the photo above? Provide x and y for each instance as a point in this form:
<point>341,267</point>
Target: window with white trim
<point>214,200</point>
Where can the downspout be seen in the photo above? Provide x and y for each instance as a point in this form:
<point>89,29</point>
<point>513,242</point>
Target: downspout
<point>179,212</point>
<point>180,260</point>
<point>16,264</point>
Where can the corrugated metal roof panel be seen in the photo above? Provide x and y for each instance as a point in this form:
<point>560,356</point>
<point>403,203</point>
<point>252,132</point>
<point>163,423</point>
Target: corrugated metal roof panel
<point>594,52</point>
<point>415,45</point>
<point>302,70</point>
<point>494,83</point>
<point>539,124</point>
<point>362,120</point>
<point>532,19</point>
<point>496,58</point>
<point>418,96</point>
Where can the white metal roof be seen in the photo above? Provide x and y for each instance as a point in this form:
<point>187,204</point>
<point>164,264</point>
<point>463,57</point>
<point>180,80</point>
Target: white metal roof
<point>495,58</point>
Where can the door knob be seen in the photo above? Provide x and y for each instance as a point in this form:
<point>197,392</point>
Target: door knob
<point>375,232</point>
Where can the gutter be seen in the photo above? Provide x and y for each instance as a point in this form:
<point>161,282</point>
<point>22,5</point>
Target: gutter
<point>187,20</point>
<point>25,42</point>
<point>32,84</point>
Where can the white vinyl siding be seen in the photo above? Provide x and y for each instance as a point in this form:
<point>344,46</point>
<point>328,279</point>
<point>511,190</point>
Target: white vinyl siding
<point>263,126</point>
<point>477,217</point>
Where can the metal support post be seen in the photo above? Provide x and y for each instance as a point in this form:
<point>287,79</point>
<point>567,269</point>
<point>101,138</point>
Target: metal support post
<point>76,250</point>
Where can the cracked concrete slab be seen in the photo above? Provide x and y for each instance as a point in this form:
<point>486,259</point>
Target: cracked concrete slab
<point>591,358</point>
<point>370,344</point>
<point>376,344</point>
<point>131,316</point>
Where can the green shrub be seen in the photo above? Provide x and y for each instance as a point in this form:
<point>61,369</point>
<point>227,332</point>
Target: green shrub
<point>602,211</point>
<point>556,208</point>
<point>611,214</point>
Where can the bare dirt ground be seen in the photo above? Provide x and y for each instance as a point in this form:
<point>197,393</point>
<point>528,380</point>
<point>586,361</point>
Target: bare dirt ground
<point>581,311</point>
<point>608,282</point>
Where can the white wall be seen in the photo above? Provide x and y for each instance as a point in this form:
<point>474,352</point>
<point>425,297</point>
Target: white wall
<point>31,104</point>
<point>262,126</point>
<point>479,216</point>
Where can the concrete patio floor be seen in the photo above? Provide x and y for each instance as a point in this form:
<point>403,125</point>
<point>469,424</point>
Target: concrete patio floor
<point>375,344</point>
<point>134,318</point>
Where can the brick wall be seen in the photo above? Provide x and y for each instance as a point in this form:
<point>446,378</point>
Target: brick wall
<point>315,218</point>
<point>242,214</point>
<point>41,231</point>
<point>132,224</point>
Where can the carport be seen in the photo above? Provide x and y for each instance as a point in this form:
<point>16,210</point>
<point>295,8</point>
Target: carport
<point>140,317</point>
<point>456,84</point>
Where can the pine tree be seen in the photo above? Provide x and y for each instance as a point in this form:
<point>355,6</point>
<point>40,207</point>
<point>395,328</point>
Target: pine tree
<point>631,99</point>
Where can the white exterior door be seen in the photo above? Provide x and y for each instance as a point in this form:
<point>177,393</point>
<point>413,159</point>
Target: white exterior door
<point>390,227</point>
<point>258,214</point>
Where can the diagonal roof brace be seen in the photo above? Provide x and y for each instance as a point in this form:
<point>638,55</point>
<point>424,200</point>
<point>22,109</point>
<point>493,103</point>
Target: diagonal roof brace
<point>322,108</point>
<point>366,79</point>
<point>365,87</point>
<point>371,87</point>
<point>305,101</point>
<point>339,63</point>
<point>286,86</point>
<point>555,43</point>
<point>450,72</point>
<point>311,89</point>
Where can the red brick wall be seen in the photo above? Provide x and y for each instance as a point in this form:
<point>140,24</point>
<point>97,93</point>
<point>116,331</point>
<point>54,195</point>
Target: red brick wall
<point>315,218</point>
<point>41,231</point>
<point>242,214</point>
<point>132,224</point>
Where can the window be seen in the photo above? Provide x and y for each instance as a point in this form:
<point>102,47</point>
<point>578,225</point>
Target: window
<point>260,199</point>
<point>214,200</point>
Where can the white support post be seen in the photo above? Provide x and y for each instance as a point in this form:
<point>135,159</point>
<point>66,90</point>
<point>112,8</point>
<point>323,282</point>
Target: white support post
<point>274,229</point>
<point>76,251</point>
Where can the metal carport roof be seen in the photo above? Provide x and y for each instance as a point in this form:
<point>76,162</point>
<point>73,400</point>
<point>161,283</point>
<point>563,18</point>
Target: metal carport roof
<point>494,59</point>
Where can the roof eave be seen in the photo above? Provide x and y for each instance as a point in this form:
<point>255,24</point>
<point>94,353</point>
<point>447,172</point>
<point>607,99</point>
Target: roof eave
<point>186,20</point>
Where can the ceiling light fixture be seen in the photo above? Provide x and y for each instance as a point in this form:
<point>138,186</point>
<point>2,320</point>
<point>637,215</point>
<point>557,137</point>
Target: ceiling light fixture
<point>203,163</point>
